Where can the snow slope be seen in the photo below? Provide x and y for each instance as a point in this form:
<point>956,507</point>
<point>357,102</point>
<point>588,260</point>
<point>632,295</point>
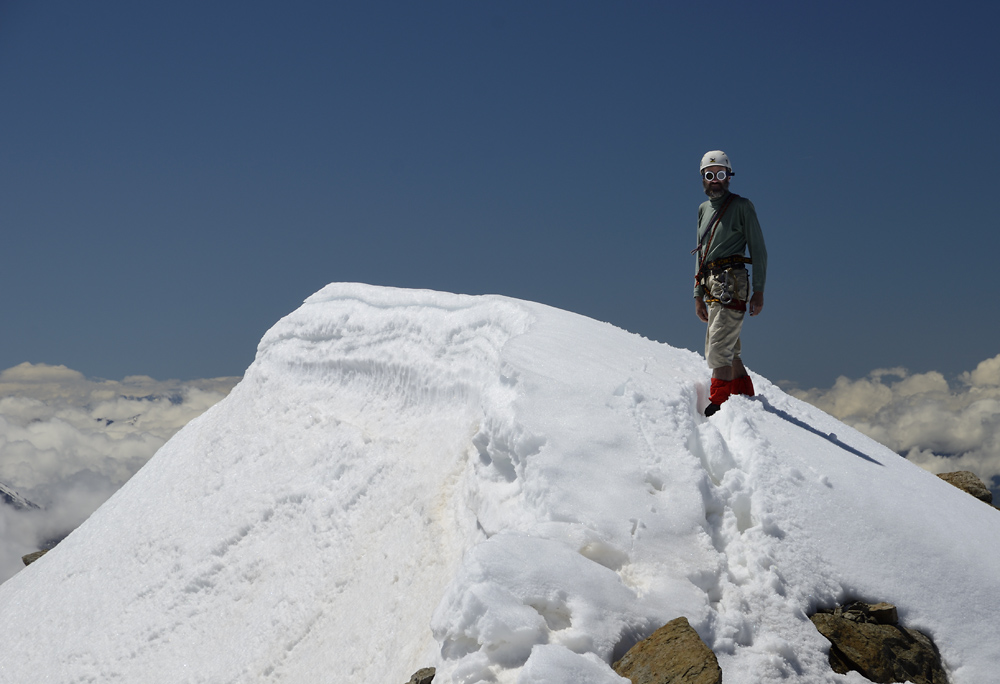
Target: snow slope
<point>507,492</point>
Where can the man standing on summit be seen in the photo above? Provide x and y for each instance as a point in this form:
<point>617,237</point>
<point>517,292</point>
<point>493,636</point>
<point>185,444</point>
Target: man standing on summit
<point>727,226</point>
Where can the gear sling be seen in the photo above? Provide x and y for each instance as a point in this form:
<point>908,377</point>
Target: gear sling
<point>723,265</point>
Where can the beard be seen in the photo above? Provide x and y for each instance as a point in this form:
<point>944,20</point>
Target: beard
<point>715,189</point>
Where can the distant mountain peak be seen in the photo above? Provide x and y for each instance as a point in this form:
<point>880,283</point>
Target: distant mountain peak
<point>12,498</point>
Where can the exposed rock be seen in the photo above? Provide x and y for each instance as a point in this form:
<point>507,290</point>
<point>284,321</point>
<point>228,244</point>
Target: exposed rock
<point>868,613</point>
<point>884,613</point>
<point>423,676</point>
<point>673,654</point>
<point>866,639</point>
<point>32,557</point>
<point>969,482</point>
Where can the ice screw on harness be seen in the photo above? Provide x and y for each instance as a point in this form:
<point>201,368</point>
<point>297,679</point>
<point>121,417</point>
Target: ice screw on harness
<point>726,296</point>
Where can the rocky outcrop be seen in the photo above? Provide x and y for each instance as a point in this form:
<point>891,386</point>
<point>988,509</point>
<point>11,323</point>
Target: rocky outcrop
<point>673,654</point>
<point>32,557</point>
<point>423,676</point>
<point>867,639</point>
<point>969,482</point>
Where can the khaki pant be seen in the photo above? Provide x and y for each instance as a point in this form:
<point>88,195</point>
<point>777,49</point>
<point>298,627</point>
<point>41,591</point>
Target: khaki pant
<point>722,339</point>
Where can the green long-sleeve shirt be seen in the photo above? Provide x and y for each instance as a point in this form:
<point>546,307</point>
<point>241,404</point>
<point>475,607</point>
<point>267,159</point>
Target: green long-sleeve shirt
<point>737,230</point>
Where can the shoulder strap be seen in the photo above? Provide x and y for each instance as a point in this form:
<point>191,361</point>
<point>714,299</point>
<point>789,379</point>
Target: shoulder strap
<point>710,231</point>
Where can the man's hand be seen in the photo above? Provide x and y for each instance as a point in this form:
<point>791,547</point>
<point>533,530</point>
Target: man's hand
<point>701,310</point>
<point>756,303</point>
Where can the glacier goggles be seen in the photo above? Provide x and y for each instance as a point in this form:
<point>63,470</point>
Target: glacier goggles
<point>716,175</point>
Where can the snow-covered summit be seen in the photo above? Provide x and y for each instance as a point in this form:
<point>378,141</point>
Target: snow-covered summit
<point>507,492</point>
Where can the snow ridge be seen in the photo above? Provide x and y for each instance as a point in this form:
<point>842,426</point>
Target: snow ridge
<point>506,492</point>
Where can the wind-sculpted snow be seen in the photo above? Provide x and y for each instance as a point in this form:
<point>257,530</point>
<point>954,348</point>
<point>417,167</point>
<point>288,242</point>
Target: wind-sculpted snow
<point>506,492</point>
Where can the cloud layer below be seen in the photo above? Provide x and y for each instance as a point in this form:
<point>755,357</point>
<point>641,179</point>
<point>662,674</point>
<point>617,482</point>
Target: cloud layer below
<point>67,443</point>
<point>938,425</point>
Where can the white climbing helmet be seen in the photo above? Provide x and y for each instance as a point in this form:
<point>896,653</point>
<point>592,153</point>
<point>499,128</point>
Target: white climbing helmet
<point>715,158</point>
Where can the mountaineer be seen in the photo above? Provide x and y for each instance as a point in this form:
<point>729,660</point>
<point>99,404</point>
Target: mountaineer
<point>727,226</point>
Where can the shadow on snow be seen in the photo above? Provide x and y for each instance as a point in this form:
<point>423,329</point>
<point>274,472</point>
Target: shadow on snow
<point>828,436</point>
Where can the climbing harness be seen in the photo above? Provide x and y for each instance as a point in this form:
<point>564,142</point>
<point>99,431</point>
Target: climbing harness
<point>727,281</point>
<point>720,267</point>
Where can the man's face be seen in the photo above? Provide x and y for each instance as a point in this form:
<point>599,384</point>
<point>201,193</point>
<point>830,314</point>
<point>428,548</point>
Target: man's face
<point>715,188</point>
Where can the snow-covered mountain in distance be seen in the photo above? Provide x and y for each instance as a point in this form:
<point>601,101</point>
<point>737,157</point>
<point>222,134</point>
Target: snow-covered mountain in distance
<point>10,497</point>
<point>504,491</point>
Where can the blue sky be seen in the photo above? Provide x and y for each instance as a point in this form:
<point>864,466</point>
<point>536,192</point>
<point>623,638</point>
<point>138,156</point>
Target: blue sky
<point>175,177</point>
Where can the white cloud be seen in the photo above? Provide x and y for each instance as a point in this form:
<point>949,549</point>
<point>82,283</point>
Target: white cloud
<point>67,443</point>
<point>940,426</point>
<point>987,374</point>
